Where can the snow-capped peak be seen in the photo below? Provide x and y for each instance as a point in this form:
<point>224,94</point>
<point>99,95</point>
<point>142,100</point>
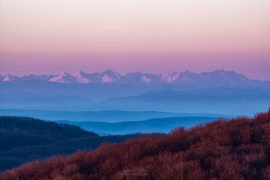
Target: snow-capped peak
<point>7,78</point>
<point>63,77</point>
<point>170,77</point>
<point>110,76</point>
<point>64,74</point>
<point>80,77</point>
<point>146,79</point>
<point>106,78</point>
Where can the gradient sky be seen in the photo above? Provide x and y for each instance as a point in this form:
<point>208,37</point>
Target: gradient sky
<point>50,36</point>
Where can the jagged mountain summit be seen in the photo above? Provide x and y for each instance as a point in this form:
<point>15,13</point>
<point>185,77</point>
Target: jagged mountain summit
<point>81,77</point>
<point>9,77</point>
<point>64,77</point>
<point>217,77</point>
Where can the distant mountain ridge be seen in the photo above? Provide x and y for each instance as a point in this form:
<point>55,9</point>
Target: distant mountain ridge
<point>207,92</point>
<point>153,125</point>
<point>137,78</point>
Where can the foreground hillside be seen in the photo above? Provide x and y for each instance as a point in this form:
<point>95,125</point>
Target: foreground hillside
<point>27,139</point>
<point>235,149</point>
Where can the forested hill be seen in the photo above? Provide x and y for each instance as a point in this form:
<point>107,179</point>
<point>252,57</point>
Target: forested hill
<point>36,127</point>
<point>24,139</point>
<point>235,149</point>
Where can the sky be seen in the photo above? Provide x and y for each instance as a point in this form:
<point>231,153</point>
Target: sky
<point>51,36</point>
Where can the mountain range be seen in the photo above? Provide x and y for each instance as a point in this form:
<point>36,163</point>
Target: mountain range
<point>216,92</point>
<point>217,77</point>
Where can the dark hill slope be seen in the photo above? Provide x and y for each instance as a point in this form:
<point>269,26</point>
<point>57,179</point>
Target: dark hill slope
<point>22,131</point>
<point>236,149</point>
<point>25,139</point>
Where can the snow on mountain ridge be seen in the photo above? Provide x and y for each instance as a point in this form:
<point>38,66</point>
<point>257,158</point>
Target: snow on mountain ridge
<point>7,78</point>
<point>146,79</point>
<point>105,78</point>
<point>63,77</point>
<point>169,77</point>
<point>80,77</point>
<point>10,78</point>
<point>109,76</point>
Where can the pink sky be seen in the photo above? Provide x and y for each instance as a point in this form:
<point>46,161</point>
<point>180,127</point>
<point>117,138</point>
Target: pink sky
<point>38,36</point>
